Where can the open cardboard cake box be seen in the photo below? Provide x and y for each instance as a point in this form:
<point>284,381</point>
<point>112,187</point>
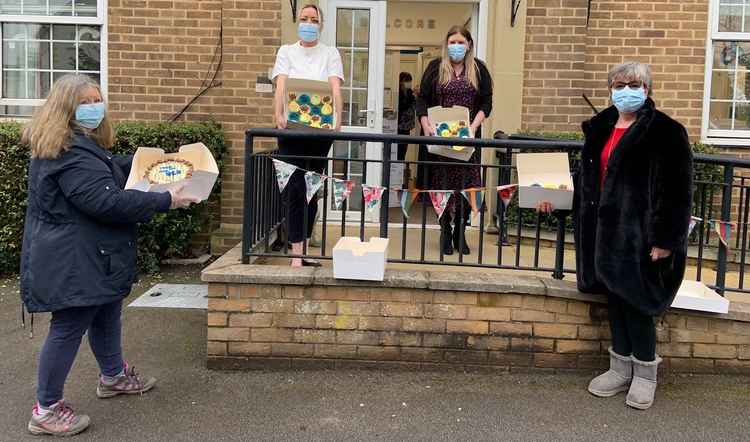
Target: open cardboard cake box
<point>200,182</point>
<point>544,177</point>
<point>309,104</point>
<point>451,122</point>
<point>354,259</point>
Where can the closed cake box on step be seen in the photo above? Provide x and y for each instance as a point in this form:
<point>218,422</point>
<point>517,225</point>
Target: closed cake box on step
<point>354,259</point>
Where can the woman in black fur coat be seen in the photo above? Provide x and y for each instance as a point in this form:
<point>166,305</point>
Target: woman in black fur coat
<point>632,204</point>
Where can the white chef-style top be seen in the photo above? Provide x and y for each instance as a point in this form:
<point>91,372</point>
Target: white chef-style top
<point>315,63</point>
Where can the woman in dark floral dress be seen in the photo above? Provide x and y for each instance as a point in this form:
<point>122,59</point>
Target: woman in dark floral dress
<point>456,79</point>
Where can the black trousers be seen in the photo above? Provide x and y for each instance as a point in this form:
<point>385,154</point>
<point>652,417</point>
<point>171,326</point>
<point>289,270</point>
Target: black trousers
<point>401,155</point>
<point>633,333</point>
<point>300,219</point>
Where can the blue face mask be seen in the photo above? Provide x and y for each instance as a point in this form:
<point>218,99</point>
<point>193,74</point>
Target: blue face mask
<point>308,32</point>
<point>628,100</point>
<point>90,116</point>
<point>456,51</point>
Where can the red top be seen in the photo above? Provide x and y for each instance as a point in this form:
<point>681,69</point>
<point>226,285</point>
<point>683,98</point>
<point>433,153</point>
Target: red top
<point>614,138</point>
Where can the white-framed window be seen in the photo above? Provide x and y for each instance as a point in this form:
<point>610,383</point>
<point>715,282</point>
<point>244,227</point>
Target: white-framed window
<point>43,40</point>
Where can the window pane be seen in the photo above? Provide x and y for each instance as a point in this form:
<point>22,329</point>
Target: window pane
<point>61,7</point>
<point>742,116</point>
<point>38,32</point>
<point>361,28</point>
<point>88,33</point>
<point>64,32</point>
<point>14,31</point>
<point>720,115</point>
<point>64,56</point>
<point>16,111</point>
<point>34,7</point>
<point>730,18</point>
<point>10,7</point>
<point>85,8</point>
<point>361,69</point>
<point>14,84</point>
<point>344,27</point>
<point>96,78</point>
<point>38,84</point>
<point>38,55</point>
<point>14,54</point>
<point>88,57</point>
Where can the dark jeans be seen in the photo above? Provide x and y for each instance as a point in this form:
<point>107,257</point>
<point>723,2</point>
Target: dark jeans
<point>632,331</point>
<point>300,227</point>
<point>402,148</point>
<point>66,329</point>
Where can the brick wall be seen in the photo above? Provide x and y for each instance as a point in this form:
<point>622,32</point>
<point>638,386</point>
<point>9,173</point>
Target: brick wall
<point>160,51</point>
<point>253,325</point>
<point>564,58</point>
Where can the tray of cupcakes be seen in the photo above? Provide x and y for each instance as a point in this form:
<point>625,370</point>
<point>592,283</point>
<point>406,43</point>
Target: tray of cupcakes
<point>309,105</point>
<point>451,122</point>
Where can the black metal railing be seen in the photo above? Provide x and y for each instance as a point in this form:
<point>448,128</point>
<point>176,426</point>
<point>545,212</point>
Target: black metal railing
<point>721,192</point>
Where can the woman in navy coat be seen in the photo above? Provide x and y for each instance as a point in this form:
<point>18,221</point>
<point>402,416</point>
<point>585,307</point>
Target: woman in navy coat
<point>79,247</point>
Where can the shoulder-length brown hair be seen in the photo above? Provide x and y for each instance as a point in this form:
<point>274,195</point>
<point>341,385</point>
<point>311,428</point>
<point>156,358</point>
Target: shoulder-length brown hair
<point>51,128</point>
<point>470,65</point>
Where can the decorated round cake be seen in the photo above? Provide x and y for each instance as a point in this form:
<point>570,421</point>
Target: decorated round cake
<point>169,171</point>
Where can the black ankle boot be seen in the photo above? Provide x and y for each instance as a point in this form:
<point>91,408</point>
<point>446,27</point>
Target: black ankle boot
<point>458,232</point>
<point>446,235</point>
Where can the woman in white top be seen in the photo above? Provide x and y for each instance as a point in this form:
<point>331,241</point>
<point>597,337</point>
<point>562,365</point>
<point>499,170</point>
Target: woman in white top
<point>311,60</point>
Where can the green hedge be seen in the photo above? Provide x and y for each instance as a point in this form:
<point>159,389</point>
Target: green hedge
<point>168,235</point>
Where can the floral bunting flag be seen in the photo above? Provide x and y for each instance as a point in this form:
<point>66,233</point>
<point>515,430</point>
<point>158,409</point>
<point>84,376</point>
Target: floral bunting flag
<point>724,230</point>
<point>693,221</point>
<point>372,195</point>
<point>506,193</point>
<point>341,191</point>
<point>440,200</point>
<point>474,197</point>
<point>313,183</point>
<point>284,171</point>
<point>407,199</point>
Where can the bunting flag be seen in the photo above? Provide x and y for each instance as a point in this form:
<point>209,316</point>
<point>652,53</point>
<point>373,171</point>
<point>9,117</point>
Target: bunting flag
<point>506,193</point>
<point>407,199</point>
<point>284,171</point>
<point>341,191</point>
<point>372,195</point>
<point>694,220</point>
<point>724,230</point>
<point>474,197</point>
<point>313,182</point>
<point>440,200</point>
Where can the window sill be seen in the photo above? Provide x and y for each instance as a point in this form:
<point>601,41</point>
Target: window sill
<point>726,142</point>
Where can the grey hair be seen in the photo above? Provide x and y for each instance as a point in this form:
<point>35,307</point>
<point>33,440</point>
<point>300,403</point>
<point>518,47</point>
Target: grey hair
<point>631,70</point>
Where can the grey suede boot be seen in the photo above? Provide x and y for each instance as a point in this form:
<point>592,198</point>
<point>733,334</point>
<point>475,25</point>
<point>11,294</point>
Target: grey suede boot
<point>614,380</point>
<point>641,394</point>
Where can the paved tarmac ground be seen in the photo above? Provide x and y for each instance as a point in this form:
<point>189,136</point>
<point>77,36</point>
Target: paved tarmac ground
<point>196,404</point>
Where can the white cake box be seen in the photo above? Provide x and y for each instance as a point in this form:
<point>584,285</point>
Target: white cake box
<point>694,295</point>
<point>439,115</point>
<point>354,259</point>
<point>199,185</point>
<point>537,170</point>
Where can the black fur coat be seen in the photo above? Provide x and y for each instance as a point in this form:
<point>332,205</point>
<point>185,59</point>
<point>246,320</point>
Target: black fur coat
<point>645,202</point>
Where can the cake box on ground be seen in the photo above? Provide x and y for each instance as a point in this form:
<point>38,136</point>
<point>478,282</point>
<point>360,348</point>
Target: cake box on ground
<point>198,185</point>
<point>354,259</point>
<point>544,177</point>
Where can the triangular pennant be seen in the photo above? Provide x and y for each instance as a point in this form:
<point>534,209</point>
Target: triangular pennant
<point>372,195</point>
<point>440,200</point>
<point>694,220</point>
<point>506,193</point>
<point>313,182</point>
<point>724,230</point>
<point>341,191</point>
<point>474,197</point>
<point>407,200</point>
<point>284,171</point>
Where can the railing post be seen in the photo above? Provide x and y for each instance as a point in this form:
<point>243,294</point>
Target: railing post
<point>726,212</point>
<point>560,245</point>
<point>386,182</point>
<point>247,212</point>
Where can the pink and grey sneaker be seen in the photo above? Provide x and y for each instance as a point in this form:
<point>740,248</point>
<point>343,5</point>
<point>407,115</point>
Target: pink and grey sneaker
<point>58,420</point>
<point>129,382</point>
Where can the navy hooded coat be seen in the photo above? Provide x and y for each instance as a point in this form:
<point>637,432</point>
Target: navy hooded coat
<point>79,243</point>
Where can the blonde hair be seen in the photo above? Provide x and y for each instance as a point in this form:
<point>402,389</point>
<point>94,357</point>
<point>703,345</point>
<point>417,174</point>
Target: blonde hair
<point>317,9</point>
<point>51,129</point>
<point>470,65</point>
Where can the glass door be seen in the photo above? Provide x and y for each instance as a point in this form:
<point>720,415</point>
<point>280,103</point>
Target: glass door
<point>357,29</point>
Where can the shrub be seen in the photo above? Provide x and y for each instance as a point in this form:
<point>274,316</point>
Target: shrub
<point>168,235</point>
